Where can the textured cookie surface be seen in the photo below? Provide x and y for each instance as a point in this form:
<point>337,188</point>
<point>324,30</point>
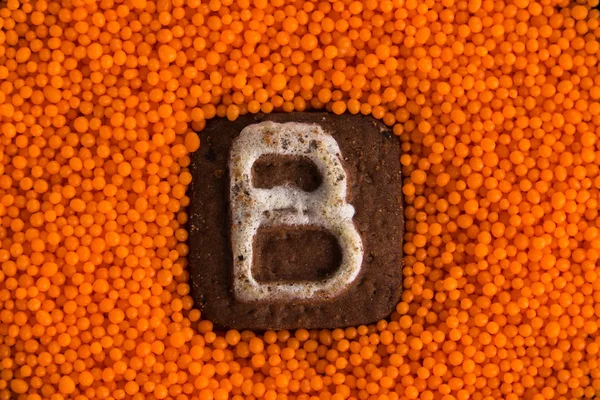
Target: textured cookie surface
<point>291,273</point>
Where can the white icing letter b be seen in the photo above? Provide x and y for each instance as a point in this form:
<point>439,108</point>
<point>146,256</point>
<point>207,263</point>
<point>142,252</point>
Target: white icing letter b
<point>326,207</point>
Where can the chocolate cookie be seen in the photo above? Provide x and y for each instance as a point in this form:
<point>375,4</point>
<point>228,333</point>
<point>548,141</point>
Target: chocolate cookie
<point>296,221</point>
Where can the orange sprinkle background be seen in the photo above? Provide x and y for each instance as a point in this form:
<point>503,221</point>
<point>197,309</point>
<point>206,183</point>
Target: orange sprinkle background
<point>495,103</point>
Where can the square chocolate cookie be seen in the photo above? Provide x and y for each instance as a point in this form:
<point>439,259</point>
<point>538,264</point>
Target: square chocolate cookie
<point>296,221</point>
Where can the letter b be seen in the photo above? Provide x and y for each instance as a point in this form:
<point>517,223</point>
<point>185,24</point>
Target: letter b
<point>326,207</point>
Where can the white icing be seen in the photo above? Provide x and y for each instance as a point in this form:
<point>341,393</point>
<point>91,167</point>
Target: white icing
<point>325,207</point>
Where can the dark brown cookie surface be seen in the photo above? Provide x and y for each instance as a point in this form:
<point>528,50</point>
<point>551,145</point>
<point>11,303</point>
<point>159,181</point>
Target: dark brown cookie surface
<point>371,158</point>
